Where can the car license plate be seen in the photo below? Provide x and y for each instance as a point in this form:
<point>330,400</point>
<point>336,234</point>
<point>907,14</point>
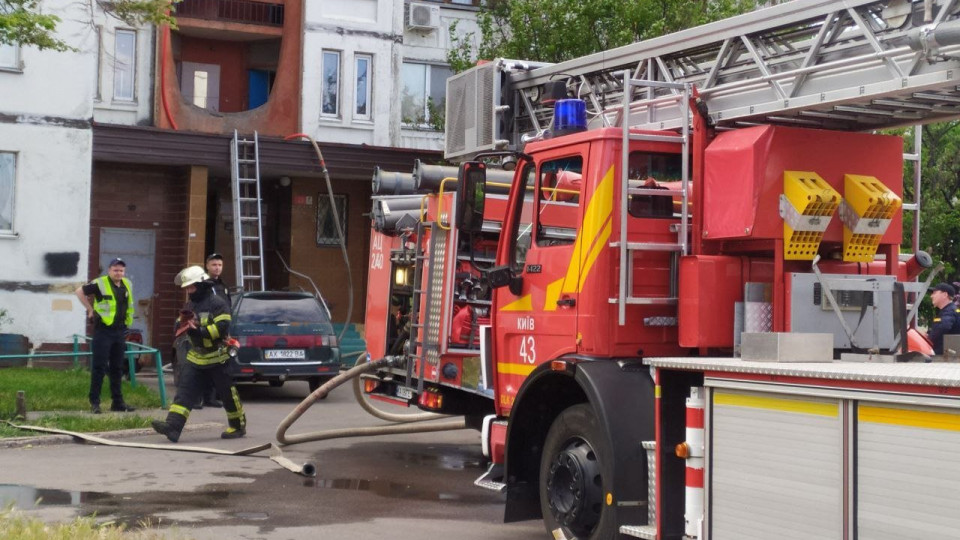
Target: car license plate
<point>404,393</point>
<point>284,354</point>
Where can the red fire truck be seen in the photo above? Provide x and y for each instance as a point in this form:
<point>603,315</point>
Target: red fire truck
<point>685,313</point>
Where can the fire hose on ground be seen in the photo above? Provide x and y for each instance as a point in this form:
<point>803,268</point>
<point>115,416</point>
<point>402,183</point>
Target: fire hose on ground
<point>405,423</point>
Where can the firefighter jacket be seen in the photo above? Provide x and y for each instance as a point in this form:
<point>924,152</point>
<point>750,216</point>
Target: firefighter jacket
<point>213,326</point>
<point>946,321</point>
<point>106,303</point>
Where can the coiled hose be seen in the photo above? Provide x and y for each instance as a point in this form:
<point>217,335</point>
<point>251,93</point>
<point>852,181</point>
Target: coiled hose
<point>402,428</point>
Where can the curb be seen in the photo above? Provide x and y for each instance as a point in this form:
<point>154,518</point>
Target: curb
<point>50,440</point>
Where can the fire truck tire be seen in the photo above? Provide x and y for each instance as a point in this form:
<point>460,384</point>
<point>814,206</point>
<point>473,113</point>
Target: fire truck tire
<point>575,472</point>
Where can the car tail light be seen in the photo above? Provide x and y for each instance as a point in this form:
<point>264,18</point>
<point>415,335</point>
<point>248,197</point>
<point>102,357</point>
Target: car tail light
<point>370,385</point>
<point>431,398</point>
<point>246,370</point>
<point>326,341</point>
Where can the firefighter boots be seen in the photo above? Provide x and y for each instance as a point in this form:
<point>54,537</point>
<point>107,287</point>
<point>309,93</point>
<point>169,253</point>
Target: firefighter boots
<point>233,433</point>
<point>164,428</point>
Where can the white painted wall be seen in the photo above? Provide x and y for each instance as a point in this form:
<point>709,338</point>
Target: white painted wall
<point>107,109</point>
<point>375,27</point>
<point>47,106</point>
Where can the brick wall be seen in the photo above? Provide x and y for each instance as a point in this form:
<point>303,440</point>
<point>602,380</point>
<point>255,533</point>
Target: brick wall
<point>146,197</point>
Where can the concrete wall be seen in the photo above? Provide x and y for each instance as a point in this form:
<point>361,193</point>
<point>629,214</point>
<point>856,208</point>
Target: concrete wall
<point>45,114</point>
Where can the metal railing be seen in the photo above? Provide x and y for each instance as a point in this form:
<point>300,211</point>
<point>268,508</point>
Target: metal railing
<point>133,350</point>
<point>242,11</point>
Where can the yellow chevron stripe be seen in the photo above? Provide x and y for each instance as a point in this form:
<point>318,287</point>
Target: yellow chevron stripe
<point>595,222</point>
<point>524,303</point>
<point>515,369</point>
<point>777,404</point>
<point>595,252</point>
<point>910,418</point>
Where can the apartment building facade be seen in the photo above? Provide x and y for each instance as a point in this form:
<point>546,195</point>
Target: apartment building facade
<point>137,163</point>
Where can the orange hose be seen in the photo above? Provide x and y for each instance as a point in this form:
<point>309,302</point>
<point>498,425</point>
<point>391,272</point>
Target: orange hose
<point>163,76</point>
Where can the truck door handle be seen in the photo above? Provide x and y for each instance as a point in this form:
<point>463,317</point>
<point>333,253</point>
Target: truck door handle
<point>567,302</point>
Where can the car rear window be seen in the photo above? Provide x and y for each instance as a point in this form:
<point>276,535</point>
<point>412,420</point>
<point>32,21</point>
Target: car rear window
<point>281,310</point>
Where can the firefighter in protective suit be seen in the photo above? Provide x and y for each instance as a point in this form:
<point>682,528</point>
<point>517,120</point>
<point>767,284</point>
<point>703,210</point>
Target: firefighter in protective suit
<point>206,320</point>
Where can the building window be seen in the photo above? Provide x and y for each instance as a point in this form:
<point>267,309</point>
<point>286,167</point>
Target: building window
<point>326,227</point>
<point>362,91</point>
<point>8,180</point>
<point>9,56</point>
<point>124,65</point>
<point>424,94</point>
<point>330,102</point>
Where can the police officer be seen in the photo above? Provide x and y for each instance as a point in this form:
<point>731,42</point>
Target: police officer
<point>112,314</point>
<point>207,319</point>
<point>947,320</point>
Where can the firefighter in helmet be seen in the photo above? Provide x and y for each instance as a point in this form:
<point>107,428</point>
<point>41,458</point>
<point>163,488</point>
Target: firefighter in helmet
<point>206,320</point>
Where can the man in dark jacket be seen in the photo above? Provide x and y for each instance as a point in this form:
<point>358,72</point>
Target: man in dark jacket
<point>214,267</point>
<point>206,319</point>
<point>946,320</point>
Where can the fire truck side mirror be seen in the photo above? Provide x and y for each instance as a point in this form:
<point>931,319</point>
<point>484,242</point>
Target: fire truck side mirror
<point>503,276</point>
<point>472,182</point>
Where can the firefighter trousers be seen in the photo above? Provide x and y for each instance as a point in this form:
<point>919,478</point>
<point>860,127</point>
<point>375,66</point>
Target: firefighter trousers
<point>193,381</point>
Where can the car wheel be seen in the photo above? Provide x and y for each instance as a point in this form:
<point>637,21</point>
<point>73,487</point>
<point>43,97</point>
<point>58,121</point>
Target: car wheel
<point>275,383</point>
<point>575,472</point>
<point>315,382</point>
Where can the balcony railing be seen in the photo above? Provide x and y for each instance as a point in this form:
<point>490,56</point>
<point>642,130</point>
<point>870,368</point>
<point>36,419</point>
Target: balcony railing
<point>242,11</point>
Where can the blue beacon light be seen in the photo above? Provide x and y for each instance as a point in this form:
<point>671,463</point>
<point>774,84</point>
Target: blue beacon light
<point>569,116</point>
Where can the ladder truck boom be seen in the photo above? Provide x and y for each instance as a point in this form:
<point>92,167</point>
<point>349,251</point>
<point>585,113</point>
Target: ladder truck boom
<point>854,65</point>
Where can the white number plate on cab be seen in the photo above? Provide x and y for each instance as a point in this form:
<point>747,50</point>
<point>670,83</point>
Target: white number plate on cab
<point>404,393</point>
<point>284,354</point>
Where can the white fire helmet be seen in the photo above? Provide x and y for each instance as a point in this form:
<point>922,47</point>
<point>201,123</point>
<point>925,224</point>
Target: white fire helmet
<point>189,276</point>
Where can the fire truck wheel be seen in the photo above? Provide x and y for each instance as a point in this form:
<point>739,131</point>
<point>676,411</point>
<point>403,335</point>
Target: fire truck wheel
<point>575,471</point>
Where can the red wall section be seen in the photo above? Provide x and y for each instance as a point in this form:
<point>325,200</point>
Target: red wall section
<point>231,56</point>
<point>138,197</point>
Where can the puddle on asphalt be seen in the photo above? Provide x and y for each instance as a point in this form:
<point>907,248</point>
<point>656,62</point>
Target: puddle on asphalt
<point>384,488</point>
<point>448,462</point>
<point>29,497</point>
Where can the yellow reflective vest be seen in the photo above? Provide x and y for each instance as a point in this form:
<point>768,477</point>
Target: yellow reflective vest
<point>106,305</point>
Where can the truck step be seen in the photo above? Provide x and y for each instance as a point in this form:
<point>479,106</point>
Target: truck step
<point>491,479</point>
<point>639,531</point>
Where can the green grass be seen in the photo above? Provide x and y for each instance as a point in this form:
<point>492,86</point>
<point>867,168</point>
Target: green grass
<point>14,525</point>
<point>66,390</point>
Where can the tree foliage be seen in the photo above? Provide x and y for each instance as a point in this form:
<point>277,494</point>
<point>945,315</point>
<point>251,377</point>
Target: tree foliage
<point>558,30</point>
<point>939,188</point>
<point>23,22</point>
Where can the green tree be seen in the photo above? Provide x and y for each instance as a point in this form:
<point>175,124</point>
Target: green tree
<point>940,185</point>
<point>22,22</point>
<point>558,30</point>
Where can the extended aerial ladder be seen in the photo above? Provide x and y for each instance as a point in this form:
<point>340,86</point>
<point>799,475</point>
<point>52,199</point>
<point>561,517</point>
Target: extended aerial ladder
<point>851,65</point>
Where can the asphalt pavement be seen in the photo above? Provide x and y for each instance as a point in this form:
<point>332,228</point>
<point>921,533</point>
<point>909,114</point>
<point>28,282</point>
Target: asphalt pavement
<point>411,486</point>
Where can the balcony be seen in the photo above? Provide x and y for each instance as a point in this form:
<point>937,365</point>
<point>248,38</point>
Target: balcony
<point>234,11</point>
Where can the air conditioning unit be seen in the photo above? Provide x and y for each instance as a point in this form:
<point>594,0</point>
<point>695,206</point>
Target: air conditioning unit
<point>423,17</point>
